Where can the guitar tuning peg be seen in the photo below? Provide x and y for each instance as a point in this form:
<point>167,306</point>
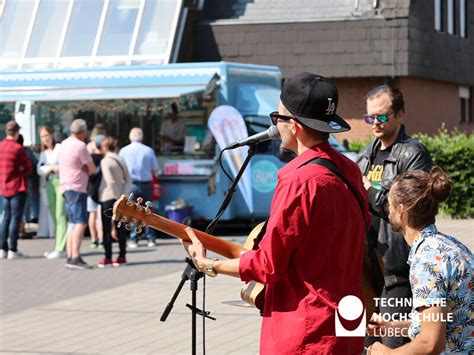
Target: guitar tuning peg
<point>139,228</point>
<point>149,207</point>
<point>121,220</point>
<point>128,226</point>
<point>130,199</point>
<point>139,203</point>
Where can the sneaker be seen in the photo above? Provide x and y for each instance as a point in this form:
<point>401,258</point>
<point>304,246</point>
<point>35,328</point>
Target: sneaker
<point>104,263</point>
<point>132,245</point>
<point>94,244</point>
<point>151,244</point>
<point>54,254</point>
<point>16,255</point>
<point>78,264</point>
<point>3,254</point>
<point>119,262</point>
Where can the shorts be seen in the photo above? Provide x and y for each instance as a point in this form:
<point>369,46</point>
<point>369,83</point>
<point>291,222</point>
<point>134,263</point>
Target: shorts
<point>76,206</point>
<point>92,206</point>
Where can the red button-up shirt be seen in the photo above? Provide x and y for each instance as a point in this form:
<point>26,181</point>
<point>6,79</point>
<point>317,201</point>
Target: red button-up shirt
<point>310,256</point>
<point>14,166</point>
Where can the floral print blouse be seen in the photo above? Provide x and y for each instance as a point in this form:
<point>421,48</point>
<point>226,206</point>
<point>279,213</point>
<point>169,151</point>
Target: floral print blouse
<point>441,273</point>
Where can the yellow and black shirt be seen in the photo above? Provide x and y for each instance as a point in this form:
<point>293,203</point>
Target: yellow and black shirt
<point>374,175</point>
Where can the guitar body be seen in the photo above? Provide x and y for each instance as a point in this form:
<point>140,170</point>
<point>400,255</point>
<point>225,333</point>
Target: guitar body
<point>254,292</point>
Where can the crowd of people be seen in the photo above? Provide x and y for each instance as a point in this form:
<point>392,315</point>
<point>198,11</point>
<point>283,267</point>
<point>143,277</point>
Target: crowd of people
<point>78,181</point>
<point>311,253</point>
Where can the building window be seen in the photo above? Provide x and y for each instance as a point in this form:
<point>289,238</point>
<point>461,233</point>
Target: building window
<point>450,16</point>
<point>463,18</point>
<point>75,33</point>
<point>82,29</point>
<point>438,5</point>
<point>465,100</point>
<point>49,23</point>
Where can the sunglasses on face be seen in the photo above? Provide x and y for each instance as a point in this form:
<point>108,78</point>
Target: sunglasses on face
<point>275,116</point>
<point>382,118</point>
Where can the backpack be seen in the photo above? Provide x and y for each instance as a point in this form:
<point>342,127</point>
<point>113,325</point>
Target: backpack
<point>94,180</point>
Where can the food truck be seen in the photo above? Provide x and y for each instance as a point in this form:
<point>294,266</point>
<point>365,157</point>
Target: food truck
<point>142,96</point>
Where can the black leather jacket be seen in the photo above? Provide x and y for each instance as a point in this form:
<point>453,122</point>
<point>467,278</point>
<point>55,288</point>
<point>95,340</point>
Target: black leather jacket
<point>406,154</point>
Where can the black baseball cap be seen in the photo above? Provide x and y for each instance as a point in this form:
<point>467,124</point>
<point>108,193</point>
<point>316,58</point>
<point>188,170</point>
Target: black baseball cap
<point>312,99</point>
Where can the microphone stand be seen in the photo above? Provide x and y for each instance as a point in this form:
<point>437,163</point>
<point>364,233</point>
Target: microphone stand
<point>230,192</point>
<point>192,273</point>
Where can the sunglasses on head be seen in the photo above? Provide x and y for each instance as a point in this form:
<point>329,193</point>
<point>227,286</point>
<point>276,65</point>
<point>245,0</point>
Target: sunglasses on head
<point>275,116</point>
<point>382,118</point>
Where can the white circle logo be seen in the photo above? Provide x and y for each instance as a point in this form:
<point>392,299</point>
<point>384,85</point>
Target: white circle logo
<point>350,307</point>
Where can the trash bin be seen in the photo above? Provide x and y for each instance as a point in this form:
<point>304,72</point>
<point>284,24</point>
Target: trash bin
<point>179,211</point>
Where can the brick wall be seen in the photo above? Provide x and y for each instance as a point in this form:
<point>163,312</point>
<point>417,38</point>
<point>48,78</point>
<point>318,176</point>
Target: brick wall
<point>333,49</point>
<point>431,103</point>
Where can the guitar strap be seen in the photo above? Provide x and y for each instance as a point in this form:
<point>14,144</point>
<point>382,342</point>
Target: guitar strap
<point>371,248</point>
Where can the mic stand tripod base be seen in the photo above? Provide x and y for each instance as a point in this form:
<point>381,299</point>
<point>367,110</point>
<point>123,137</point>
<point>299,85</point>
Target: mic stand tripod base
<point>192,274</point>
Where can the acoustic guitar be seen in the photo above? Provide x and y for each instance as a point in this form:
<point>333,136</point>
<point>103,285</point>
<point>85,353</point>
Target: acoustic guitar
<point>128,212</point>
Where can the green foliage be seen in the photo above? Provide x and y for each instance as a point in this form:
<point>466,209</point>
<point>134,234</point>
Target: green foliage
<point>356,146</point>
<point>454,153</point>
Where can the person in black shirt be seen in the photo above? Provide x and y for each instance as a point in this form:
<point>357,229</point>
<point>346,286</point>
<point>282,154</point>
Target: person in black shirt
<point>391,153</point>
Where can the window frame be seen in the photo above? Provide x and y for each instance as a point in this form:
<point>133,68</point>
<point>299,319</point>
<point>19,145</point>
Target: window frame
<point>59,61</point>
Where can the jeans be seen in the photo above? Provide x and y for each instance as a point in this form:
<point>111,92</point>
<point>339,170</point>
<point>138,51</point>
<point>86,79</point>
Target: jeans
<point>13,208</point>
<point>76,206</point>
<point>143,190</point>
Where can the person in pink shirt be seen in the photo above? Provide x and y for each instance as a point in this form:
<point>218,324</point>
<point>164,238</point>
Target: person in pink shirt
<point>75,165</point>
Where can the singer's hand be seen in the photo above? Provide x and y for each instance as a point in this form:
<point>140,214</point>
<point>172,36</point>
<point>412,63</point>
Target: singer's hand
<point>195,250</point>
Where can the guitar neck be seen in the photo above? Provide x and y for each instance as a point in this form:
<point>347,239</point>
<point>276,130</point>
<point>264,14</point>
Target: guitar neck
<point>177,230</point>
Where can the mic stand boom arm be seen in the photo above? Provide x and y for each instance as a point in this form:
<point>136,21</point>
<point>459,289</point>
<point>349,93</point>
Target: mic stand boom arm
<point>230,192</point>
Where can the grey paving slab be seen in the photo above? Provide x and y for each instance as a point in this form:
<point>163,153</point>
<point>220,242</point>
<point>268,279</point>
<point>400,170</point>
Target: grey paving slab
<point>87,324</point>
<point>46,309</point>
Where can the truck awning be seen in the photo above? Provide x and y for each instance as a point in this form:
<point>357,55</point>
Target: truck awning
<point>106,83</point>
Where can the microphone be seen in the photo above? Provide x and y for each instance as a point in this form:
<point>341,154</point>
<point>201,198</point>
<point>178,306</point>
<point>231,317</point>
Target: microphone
<point>270,133</point>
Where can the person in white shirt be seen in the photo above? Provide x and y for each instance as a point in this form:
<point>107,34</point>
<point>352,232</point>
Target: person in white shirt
<point>172,132</point>
<point>53,216</point>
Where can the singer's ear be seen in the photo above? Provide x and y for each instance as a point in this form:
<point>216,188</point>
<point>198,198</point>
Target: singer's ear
<point>295,126</point>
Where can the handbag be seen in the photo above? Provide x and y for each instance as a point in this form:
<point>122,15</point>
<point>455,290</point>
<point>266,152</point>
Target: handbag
<point>156,189</point>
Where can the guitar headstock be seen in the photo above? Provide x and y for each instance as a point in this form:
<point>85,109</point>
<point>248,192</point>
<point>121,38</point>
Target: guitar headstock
<point>129,212</point>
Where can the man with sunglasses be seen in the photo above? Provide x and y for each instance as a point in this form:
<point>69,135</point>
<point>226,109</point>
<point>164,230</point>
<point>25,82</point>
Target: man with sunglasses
<point>310,256</point>
<point>391,153</point>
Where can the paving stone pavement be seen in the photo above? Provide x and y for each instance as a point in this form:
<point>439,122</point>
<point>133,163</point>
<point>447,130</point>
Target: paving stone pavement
<point>46,309</point>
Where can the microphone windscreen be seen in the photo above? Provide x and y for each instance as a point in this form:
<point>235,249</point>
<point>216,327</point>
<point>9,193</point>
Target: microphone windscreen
<point>273,132</point>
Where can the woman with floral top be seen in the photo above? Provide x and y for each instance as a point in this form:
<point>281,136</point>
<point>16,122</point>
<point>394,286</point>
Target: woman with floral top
<point>441,271</point>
